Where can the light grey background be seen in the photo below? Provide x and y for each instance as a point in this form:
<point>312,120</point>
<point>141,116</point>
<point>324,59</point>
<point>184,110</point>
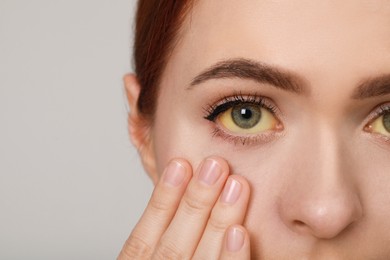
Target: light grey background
<point>71,184</point>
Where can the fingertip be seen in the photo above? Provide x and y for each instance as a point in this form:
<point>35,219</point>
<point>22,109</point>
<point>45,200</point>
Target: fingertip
<point>245,186</point>
<point>235,238</point>
<point>221,162</point>
<point>186,165</point>
<point>183,163</point>
<point>237,244</point>
<point>176,172</point>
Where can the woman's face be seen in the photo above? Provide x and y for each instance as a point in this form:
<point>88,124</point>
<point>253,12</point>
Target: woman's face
<point>306,84</point>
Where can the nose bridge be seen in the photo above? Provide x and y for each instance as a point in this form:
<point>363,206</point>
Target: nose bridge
<point>320,162</point>
<point>323,153</point>
<point>320,198</point>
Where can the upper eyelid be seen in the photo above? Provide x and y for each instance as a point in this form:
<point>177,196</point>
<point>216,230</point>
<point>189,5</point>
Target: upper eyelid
<point>378,111</point>
<point>384,108</point>
<point>263,101</point>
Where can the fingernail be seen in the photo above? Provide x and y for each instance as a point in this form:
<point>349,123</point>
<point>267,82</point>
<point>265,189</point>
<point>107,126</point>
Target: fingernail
<point>174,174</point>
<point>235,239</point>
<point>231,192</point>
<point>210,172</point>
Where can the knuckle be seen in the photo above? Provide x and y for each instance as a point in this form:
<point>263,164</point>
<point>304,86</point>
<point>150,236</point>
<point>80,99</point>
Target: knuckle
<point>166,251</point>
<point>193,204</point>
<point>158,203</point>
<point>135,248</point>
<point>218,224</point>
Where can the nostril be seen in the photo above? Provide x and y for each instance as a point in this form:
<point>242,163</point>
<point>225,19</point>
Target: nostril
<point>299,223</point>
<point>300,227</point>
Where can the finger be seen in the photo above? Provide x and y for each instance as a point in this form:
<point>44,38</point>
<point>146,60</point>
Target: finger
<point>230,209</point>
<point>183,234</point>
<point>159,211</point>
<point>236,244</point>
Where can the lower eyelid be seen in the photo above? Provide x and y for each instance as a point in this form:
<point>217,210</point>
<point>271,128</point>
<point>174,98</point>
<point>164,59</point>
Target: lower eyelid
<point>250,139</point>
<point>378,139</point>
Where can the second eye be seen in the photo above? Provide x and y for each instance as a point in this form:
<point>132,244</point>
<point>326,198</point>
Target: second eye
<point>248,118</point>
<point>381,124</point>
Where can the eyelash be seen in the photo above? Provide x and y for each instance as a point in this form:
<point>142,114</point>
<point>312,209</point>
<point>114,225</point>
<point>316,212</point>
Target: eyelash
<point>214,110</point>
<point>378,112</point>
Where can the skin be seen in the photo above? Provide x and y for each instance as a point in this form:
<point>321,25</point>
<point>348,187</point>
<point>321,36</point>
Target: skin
<point>318,190</point>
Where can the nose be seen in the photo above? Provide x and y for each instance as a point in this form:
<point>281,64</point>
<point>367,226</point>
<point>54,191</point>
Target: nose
<point>319,197</point>
<point>324,216</point>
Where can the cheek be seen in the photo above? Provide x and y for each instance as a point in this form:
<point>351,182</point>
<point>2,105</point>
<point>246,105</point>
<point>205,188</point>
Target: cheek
<point>177,135</point>
<point>372,172</point>
<point>180,131</point>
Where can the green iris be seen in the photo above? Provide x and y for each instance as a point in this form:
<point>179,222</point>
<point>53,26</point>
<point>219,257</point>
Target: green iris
<point>386,122</point>
<point>246,116</point>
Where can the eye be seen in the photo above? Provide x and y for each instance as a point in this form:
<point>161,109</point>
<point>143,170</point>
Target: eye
<point>381,124</point>
<point>247,118</point>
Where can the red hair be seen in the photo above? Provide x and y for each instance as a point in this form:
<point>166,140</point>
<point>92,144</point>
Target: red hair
<point>157,25</point>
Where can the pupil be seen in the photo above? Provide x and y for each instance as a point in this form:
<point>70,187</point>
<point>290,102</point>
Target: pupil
<point>246,113</point>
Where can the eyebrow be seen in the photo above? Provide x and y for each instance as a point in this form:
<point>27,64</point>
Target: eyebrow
<point>373,87</point>
<point>249,69</point>
<point>283,79</point>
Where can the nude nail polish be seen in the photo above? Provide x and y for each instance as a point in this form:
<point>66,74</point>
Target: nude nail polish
<point>174,174</point>
<point>235,239</point>
<point>231,192</point>
<point>210,172</point>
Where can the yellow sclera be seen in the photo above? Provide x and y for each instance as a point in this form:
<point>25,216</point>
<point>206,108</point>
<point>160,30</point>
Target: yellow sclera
<point>377,126</point>
<point>266,122</point>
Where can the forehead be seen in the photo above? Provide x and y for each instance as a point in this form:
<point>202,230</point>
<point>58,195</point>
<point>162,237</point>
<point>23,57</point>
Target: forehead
<point>327,38</point>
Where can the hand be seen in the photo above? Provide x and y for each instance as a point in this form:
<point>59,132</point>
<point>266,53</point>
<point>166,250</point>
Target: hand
<point>193,216</point>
